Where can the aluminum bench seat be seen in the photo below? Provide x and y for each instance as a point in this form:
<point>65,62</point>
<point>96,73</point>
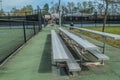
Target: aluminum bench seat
<point>97,53</point>
<point>72,64</point>
<point>83,43</point>
<point>59,54</point>
<point>64,54</point>
<point>91,48</point>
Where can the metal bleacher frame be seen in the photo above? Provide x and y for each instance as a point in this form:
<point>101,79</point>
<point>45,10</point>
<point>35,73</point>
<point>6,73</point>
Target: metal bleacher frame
<point>103,34</point>
<point>82,46</point>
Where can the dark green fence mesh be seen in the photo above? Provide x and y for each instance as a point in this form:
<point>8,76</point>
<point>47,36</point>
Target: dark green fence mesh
<point>13,34</point>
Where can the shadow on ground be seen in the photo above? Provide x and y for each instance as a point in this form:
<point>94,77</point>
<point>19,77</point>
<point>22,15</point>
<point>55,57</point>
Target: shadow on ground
<point>45,63</point>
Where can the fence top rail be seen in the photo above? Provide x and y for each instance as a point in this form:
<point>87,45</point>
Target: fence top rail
<point>83,43</point>
<point>15,20</point>
<point>104,34</point>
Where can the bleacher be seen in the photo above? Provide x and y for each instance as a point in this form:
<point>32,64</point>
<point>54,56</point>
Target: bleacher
<point>86,45</point>
<point>62,54</point>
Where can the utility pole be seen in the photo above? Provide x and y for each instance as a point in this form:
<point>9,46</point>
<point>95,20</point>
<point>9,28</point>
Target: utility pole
<point>1,4</point>
<point>60,13</point>
<point>1,9</point>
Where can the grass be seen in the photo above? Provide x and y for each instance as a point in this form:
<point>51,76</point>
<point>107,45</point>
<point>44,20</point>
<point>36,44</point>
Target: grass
<point>11,39</point>
<point>113,30</point>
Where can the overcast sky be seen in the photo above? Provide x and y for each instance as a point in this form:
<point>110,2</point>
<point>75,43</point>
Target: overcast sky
<point>9,4</point>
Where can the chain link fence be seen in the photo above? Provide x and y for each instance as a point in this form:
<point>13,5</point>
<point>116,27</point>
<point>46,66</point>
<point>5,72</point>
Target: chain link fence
<point>15,31</point>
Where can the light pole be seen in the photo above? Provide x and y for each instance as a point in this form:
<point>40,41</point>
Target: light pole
<point>1,4</point>
<point>60,13</point>
<point>43,16</point>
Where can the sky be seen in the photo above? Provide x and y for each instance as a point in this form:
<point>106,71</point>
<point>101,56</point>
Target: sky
<point>7,5</point>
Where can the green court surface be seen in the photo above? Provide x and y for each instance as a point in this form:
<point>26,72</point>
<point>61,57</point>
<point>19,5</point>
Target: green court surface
<point>10,39</point>
<point>33,62</point>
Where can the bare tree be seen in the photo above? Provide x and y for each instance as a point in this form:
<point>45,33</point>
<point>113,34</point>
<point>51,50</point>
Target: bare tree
<point>106,4</point>
<point>105,15</point>
<point>100,8</point>
<point>70,6</point>
<point>84,4</point>
<point>79,5</point>
<point>54,8</point>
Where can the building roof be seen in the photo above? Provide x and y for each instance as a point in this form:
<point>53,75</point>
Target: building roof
<point>47,16</point>
<point>55,15</point>
<point>78,14</point>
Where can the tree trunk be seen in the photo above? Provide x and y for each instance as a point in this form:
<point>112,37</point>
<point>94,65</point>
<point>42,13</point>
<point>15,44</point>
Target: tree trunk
<point>105,15</point>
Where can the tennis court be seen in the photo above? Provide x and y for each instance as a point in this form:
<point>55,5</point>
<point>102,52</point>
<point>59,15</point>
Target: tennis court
<point>11,39</point>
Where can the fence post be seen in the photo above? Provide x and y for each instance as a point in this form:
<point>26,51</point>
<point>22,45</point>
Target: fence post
<point>27,23</point>
<point>81,19</point>
<point>95,21</point>
<point>39,18</point>
<point>44,21</point>
<point>8,19</point>
<point>34,28</point>
<point>24,31</point>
